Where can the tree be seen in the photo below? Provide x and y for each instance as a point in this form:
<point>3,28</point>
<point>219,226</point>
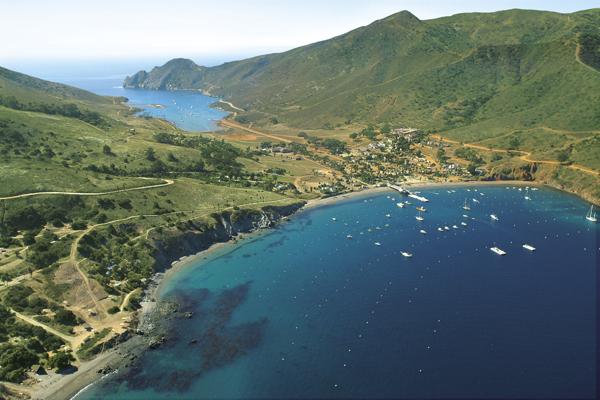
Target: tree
<point>353,135</point>
<point>385,129</point>
<point>60,361</point>
<point>562,156</point>
<point>150,154</point>
<point>472,168</point>
<point>106,150</point>
<point>65,317</point>
<point>441,155</point>
<point>273,120</point>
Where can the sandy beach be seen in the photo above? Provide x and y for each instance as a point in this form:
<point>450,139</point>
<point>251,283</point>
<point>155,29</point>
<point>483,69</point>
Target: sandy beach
<point>68,386</point>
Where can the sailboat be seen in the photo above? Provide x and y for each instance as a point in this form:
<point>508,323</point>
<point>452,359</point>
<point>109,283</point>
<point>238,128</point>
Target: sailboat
<point>527,195</point>
<point>465,206</point>
<point>590,216</point>
<point>418,217</point>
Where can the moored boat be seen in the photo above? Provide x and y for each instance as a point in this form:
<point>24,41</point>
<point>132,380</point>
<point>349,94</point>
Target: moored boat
<point>498,251</point>
<point>589,215</point>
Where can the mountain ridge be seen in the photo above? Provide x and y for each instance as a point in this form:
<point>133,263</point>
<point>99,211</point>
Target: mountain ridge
<point>371,71</point>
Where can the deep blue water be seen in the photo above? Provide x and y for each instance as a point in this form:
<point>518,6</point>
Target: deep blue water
<point>186,109</point>
<point>305,311</point>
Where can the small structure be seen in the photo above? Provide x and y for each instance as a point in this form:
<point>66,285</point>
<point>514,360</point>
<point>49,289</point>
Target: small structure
<point>38,369</point>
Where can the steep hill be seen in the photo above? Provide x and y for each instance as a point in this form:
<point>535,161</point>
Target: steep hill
<point>439,74</point>
<point>28,88</point>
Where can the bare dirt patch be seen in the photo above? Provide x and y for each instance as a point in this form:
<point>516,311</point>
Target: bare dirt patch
<point>239,137</point>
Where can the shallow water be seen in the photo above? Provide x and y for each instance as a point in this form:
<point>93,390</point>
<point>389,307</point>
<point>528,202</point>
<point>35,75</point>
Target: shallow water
<point>305,311</point>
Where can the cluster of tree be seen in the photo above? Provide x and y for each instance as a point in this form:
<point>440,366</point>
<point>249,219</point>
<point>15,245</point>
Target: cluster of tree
<point>66,110</point>
<point>47,250</point>
<point>116,256</point>
<point>12,133</point>
<point>27,214</point>
<point>34,344</point>
<point>334,146</point>
<point>469,154</point>
<point>590,49</point>
<point>465,113</point>
<point>278,171</point>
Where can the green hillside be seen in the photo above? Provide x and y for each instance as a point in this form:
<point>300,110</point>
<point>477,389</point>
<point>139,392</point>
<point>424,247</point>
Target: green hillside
<point>440,74</point>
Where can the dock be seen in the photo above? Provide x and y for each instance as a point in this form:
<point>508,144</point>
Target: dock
<point>405,191</point>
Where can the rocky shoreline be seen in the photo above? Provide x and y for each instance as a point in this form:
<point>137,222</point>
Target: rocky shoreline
<point>152,323</point>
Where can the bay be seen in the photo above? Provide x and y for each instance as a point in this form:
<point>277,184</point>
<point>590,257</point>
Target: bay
<point>187,109</point>
<point>306,311</point>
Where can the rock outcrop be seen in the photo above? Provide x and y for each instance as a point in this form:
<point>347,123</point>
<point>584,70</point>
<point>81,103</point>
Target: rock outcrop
<point>174,244</point>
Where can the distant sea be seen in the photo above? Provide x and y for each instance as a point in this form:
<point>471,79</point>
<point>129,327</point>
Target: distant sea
<point>187,109</point>
<point>326,306</point>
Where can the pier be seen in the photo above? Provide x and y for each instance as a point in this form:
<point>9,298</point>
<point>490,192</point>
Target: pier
<point>404,191</point>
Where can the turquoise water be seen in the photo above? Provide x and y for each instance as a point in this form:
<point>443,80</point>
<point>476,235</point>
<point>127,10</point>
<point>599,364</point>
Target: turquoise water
<point>305,311</point>
<point>186,109</point>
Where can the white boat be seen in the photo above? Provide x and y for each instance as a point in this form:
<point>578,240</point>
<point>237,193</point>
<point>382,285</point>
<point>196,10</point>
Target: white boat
<point>494,217</point>
<point>388,215</point>
<point>475,200</point>
<point>418,217</point>
<point>378,228</point>
<point>446,228</point>
<point>589,215</point>
<point>369,230</point>
<point>528,247</point>
<point>465,215</point>
<point>388,197</point>
<point>387,225</point>
<point>377,244</point>
<point>468,190</point>
<point>465,206</point>
<point>423,232</point>
<point>405,254</point>
<point>334,219</point>
<point>361,233</point>
<point>349,236</point>
<point>498,251</point>
<point>393,199</point>
<point>440,229</point>
<point>401,205</point>
<point>455,227</point>
<point>463,223</point>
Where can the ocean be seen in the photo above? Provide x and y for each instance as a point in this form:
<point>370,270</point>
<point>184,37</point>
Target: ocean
<point>187,109</point>
<point>326,306</point>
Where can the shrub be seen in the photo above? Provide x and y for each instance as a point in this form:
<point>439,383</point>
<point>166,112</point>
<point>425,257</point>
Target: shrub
<point>113,310</point>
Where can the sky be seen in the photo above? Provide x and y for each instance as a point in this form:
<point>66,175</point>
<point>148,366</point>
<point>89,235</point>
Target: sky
<point>38,34</point>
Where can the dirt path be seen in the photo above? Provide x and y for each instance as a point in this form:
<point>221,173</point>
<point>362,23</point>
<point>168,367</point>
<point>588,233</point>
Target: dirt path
<point>231,105</point>
<point>32,321</point>
<point>527,154</point>
<point>253,131</point>
<point>168,182</point>
<point>74,262</point>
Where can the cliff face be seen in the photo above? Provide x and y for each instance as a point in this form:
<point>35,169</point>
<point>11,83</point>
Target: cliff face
<point>558,176</point>
<point>174,244</point>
